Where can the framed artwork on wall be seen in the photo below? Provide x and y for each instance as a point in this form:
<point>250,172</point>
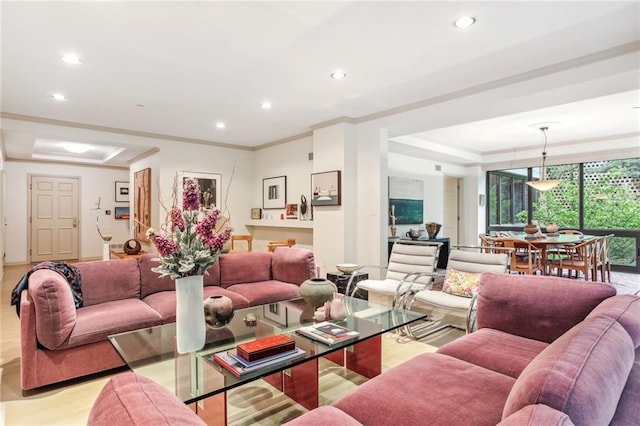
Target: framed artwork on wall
<point>122,192</point>
<point>292,211</point>
<point>326,189</point>
<point>406,200</point>
<point>121,212</point>
<point>142,203</point>
<point>210,187</point>
<point>274,192</point>
<point>256,213</point>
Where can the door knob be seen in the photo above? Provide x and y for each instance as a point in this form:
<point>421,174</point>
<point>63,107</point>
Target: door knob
<point>75,222</point>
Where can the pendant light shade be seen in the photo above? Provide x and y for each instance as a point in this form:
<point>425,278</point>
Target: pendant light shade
<point>544,184</point>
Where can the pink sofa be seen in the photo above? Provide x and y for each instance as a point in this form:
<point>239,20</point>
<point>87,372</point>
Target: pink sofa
<point>548,351</point>
<point>60,342</point>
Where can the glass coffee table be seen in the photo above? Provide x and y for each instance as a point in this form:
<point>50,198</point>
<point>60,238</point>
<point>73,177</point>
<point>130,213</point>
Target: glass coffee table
<point>202,383</point>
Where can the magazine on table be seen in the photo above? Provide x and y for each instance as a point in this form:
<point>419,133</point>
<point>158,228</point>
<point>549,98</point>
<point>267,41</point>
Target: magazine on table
<point>328,333</point>
<point>231,361</point>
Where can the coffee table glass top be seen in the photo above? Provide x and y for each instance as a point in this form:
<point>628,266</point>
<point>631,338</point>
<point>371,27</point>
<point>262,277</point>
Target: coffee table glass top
<point>193,376</point>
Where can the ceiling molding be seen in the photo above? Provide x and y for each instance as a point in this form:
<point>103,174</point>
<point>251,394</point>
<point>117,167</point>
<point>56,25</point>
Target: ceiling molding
<point>144,155</point>
<point>281,141</point>
<point>119,131</point>
<point>71,163</point>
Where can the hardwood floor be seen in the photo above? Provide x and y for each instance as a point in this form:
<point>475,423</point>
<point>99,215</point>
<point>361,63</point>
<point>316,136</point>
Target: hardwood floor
<point>69,403</point>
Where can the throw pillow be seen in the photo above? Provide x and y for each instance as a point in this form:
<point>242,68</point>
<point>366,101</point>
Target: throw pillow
<point>460,283</point>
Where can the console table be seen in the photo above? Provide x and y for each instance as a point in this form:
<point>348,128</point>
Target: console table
<point>341,280</point>
<point>443,259</point>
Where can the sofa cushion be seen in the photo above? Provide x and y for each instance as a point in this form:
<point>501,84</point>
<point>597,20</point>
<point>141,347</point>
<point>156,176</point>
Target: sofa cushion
<point>164,302</point>
<point>432,389</point>
<point>628,410</point>
<point>266,291</point>
<point>460,283</point>
<point>293,265</point>
<point>54,307</point>
<point>625,309</point>
<point>108,280</point>
<point>538,414</point>
<point>508,302</point>
<point>322,416</point>
<point>150,282</point>
<point>247,267</point>
<point>582,373</point>
<point>130,399</point>
<point>496,350</point>
<point>96,322</point>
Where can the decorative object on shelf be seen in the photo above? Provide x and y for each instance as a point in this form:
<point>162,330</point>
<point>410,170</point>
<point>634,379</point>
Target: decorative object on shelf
<point>338,308</point>
<point>187,249</point>
<point>432,229</point>
<point>218,311</point>
<point>543,184</point>
<point>256,214</point>
<point>303,207</point>
<point>325,188</point>
<point>414,234</point>
<point>392,216</point>
<point>347,268</point>
<point>292,211</point>
<point>274,192</point>
<point>552,228</point>
<point>122,192</point>
<point>131,246</point>
<point>317,291</point>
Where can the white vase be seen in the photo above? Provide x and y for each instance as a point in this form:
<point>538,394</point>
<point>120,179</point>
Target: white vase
<point>190,325</point>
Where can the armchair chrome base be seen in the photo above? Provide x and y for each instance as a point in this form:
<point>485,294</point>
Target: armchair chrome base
<point>431,326</point>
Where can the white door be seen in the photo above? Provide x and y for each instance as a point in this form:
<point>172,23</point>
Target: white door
<point>54,218</point>
<point>451,214</point>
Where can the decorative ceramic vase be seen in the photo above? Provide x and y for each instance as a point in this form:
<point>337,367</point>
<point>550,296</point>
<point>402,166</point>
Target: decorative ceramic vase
<point>316,291</point>
<point>338,309</point>
<point>432,229</point>
<point>218,311</point>
<point>394,229</point>
<point>414,234</point>
<point>531,229</point>
<point>552,227</point>
<point>190,325</point>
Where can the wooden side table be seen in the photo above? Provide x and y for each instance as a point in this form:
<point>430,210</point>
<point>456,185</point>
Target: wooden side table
<point>341,280</point>
<point>123,255</point>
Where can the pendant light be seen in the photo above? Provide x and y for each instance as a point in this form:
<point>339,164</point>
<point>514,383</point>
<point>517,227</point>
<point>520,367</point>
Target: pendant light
<point>544,184</point>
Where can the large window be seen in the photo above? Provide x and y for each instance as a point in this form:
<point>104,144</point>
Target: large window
<point>599,198</point>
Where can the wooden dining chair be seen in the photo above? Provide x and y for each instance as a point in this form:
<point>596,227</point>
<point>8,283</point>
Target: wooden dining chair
<point>578,258</point>
<point>273,245</point>
<point>236,238</point>
<point>525,258</point>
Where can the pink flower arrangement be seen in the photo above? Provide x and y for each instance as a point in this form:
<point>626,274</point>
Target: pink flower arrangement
<point>192,245</point>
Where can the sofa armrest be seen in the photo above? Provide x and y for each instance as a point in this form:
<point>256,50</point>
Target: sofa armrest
<point>293,265</point>
<point>538,414</point>
<point>536,307</point>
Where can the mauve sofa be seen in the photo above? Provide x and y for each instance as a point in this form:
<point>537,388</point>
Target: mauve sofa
<point>548,351</point>
<point>60,342</point>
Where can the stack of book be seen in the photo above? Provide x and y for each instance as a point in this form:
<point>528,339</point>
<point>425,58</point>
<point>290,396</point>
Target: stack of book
<point>328,333</point>
<point>254,356</point>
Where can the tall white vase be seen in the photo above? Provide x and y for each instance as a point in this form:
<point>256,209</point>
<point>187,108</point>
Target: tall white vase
<point>190,325</point>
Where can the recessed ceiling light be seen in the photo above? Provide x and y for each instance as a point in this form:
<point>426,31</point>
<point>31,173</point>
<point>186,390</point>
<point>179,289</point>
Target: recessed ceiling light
<point>338,75</point>
<point>59,97</point>
<point>266,105</point>
<point>221,125</point>
<point>71,59</point>
<point>76,148</point>
<point>464,22</point>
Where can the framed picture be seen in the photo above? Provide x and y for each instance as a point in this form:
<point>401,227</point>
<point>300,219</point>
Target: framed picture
<point>122,192</point>
<point>121,212</point>
<point>406,202</point>
<point>325,189</point>
<point>274,192</point>
<point>210,188</point>
<point>292,211</point>
<point>276,312</point>
<point>256,213</point>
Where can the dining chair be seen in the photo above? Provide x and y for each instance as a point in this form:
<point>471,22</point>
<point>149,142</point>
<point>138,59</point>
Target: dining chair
<point>407,259</point>
<point>464,267</point>
<point>579,258</point>
<point>236,238</point>
<point>606,253</point>
<point>525,257</point>
<point>272,245</point>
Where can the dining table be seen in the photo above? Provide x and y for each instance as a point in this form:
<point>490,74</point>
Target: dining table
<point>542,242</point>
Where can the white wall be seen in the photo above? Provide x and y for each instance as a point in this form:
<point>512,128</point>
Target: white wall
<point>94,183</point>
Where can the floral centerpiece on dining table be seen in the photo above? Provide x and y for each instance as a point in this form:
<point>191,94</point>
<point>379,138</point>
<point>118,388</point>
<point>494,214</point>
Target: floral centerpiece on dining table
<point>191,241</point>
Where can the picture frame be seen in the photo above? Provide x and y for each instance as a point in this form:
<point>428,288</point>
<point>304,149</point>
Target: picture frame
<point>121,212</point>
<point>291,212</point>
<point>326,188</point>
<point>122,192</point>
<point>274,192</point>
<point>276,312</point>
<point>406,201</point>
<point>210,187</point>
<point>256,213</point>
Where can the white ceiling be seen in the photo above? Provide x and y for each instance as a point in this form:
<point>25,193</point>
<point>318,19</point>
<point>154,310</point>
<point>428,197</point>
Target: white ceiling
<point>177,68</point>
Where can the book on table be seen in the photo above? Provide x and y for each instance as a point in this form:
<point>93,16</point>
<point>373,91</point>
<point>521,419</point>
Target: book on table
<point>240,367</point>
<point>328,333</point>
<point>267,346</point>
